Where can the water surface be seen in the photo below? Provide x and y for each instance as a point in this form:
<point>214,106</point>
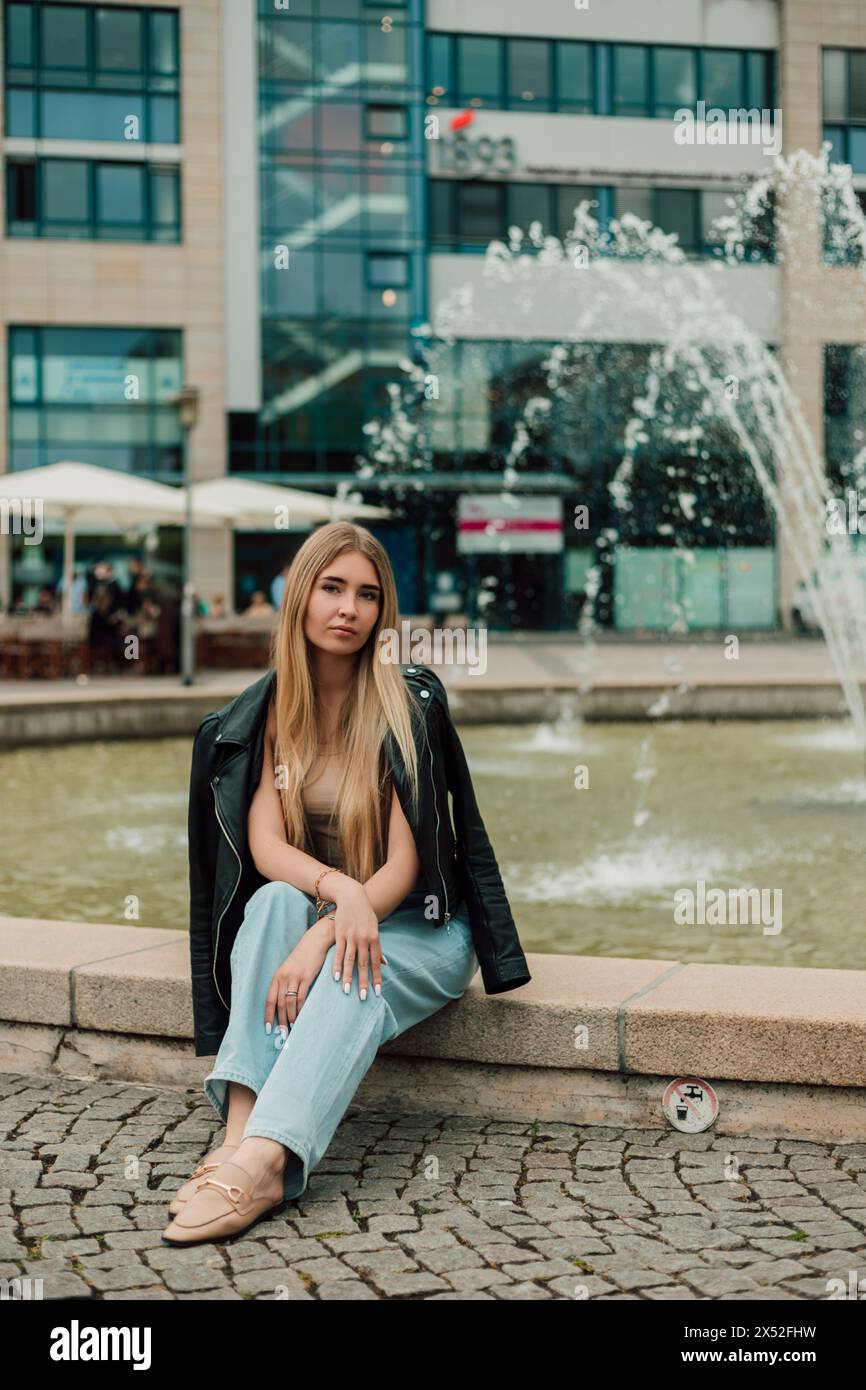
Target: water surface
<point>97,831</point>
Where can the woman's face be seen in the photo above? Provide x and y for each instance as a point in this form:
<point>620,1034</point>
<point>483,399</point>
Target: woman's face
<point>344,604</point>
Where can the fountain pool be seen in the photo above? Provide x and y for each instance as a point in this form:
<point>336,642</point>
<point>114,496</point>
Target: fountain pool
<point>766,805</point>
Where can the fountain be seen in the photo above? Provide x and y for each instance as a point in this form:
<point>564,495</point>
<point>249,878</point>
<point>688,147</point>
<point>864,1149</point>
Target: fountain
<point>708,372</point>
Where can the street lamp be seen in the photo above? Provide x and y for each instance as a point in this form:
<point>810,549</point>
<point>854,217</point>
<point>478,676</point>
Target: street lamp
<point>186,400</point>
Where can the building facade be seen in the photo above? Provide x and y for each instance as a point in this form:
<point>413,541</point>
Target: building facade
<point>287,204</point>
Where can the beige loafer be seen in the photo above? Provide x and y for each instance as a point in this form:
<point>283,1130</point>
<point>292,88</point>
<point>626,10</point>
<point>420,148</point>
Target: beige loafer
<point>219,1210</point>
<point>185,1191</point>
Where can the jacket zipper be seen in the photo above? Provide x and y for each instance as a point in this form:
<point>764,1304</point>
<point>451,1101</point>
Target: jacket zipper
<point>447,916</point>
<point>231,895</point>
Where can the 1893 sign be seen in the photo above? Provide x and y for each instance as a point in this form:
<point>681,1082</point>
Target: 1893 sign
<point>460,155</point>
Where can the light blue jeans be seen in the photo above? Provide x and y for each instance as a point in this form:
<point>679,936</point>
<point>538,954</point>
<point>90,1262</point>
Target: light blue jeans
<point>304,1085</point>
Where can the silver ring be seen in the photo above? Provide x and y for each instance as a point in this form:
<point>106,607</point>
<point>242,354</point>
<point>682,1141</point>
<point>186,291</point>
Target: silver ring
<point>289,991</point>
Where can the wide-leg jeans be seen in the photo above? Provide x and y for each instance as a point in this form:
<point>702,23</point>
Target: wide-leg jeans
<point>304,1085</point>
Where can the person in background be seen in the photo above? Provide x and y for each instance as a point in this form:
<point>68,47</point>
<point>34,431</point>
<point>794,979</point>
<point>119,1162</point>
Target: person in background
<point>278,588</point>
<point>46,602</point>
<point>79,590</point>
<point>258,607</point>
<point>218,607</point>
<point>167,598</point>
<point>106,618</point>
<point>134,595</point>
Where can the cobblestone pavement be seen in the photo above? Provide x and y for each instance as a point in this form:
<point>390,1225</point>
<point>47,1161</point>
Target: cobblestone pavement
<point>423,1207</point>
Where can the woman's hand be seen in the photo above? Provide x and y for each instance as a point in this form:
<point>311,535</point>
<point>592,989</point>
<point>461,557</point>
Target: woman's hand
<point>356,938</point>
<point>297,972</point>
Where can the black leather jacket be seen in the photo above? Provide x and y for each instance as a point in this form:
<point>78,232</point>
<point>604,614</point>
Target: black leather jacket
<point>227,758</point>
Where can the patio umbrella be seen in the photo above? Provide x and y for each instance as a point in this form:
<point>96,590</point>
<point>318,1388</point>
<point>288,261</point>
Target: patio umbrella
<point>243,502</point>
<point>255,504</point>
<point>108,497</point>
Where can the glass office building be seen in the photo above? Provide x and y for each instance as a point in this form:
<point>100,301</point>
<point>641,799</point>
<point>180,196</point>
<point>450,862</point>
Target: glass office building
<point>303,192</point>
<point>353,214</point>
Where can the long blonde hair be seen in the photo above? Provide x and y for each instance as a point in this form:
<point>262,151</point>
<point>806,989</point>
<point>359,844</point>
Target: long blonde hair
<point>377,701</point>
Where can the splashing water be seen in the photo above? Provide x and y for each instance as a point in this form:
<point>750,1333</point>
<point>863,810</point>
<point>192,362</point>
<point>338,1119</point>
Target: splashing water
<point>711,370</point>
<point>708,374</point>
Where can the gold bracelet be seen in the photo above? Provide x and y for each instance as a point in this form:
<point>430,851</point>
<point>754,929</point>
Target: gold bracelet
<point>322,902</point>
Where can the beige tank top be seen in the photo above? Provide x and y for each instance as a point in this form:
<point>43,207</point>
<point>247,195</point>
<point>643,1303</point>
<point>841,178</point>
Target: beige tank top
<point>318,794</point>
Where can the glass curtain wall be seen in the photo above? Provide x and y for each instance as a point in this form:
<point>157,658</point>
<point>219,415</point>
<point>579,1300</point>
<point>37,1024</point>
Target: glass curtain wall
<point>342,227</point>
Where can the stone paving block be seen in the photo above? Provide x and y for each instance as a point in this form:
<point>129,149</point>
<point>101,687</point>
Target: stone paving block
<point>326,1269</point>
<point>521,1292</point>
<point>446,1261</point>
<point>347,1290</point>
<point>188,1280</point>
<point>394,1284</point>
<point>279,1284</point>
<point>156,1294</point>
<point>135,1277</point>
<point>718,1283</point>
<point>471,1280</point>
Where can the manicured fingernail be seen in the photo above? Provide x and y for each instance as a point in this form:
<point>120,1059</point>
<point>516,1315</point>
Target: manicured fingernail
<point>278,1042</point>
<point>346,987</point>
<point>336,974</point>
<point>378,989</point>
<point>363,994</point>
<point>267,1028</point>
<point>285,1033</point>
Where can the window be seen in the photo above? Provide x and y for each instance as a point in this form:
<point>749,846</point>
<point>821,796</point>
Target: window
<point>844,406</point>
<point>714,205</point>
<point>677,210</point>
<point>674,79</point>
<point>87,72</point>
<point>844,105</point>
<point>836,388</point>
<point>637,201</point>
<point>857,87</point>
<point>593,77</point>
<point>65,195</point>
<point>387,271</point>
<point>835,84</point>
<point>120,197</point>
<point>387,122</point>
<point>120,41</point>
<point>759,75</point>
<point>723,83</point>
<point>690,213</point>
<point>479,71</point>
<point>64,40</point>
<point>440,211</point>
<point>630,85</point>
<point>19,36</point>
<point>85,199</point>
<point>529,82</point>
<point>844,241</point>
<point>439,65</point>
<point>568,197</point>
<point>469,214</point>
<point>68,398</point>
<point>479,212</point>
<point>21,195</point>
<point>574,77</point>
<point>527,203</point>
